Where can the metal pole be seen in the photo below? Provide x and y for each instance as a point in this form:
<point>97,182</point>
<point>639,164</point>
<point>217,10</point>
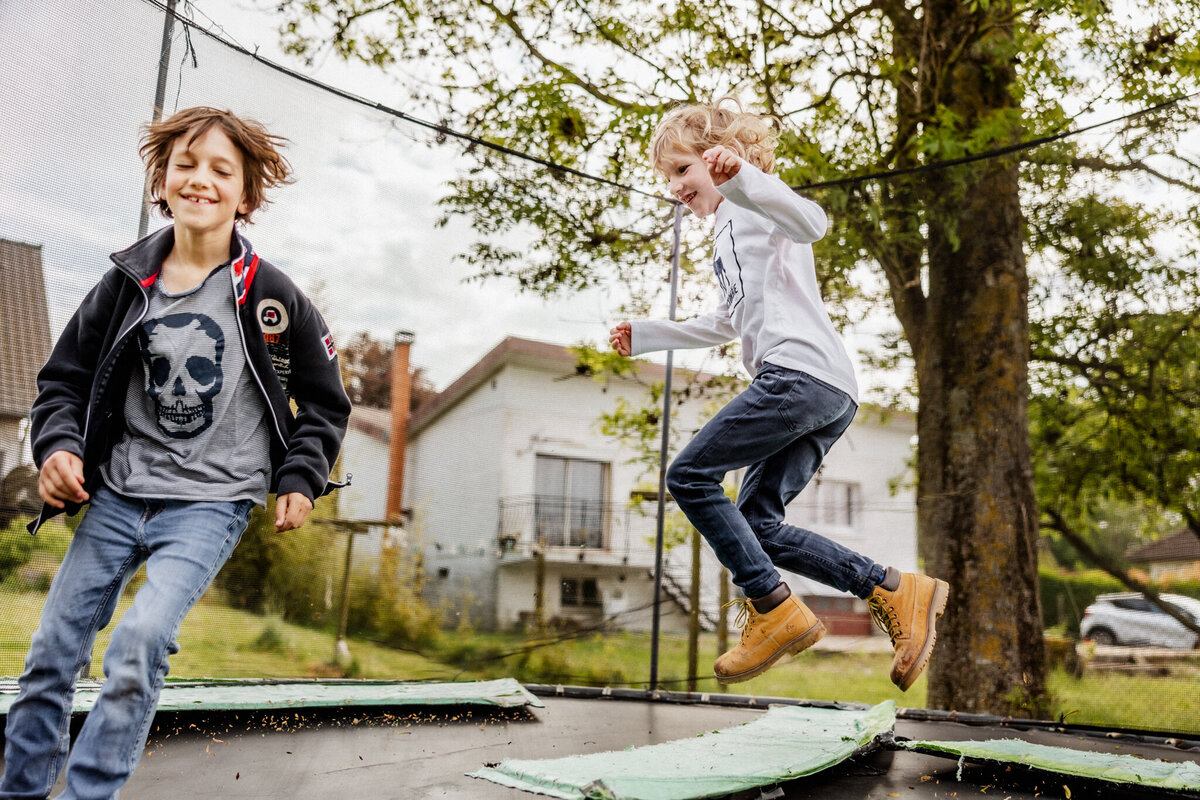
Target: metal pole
<point>662,460</point>
<point>160,92</point>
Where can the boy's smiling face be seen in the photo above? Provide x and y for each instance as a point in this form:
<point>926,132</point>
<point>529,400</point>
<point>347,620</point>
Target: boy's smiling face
<point>204,182</point>
<point>688,180</point>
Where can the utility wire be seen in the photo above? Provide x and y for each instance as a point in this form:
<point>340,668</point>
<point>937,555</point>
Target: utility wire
<point>998,152</point>
<point>445,130</point>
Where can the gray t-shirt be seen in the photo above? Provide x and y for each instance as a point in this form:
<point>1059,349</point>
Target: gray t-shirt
<point>196,423</point>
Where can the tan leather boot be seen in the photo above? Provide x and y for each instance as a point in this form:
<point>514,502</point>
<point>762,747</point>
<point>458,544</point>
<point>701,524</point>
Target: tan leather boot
<point>790,627</point>
<point>908,616</point>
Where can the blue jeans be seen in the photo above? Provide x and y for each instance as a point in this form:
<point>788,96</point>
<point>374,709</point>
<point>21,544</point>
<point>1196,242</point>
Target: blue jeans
<point>183,544</point>
<point>780,427</point>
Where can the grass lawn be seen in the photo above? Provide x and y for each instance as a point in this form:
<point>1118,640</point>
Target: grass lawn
<point>217,641</point>
<point>1165,703</point>
<point>623,659</point>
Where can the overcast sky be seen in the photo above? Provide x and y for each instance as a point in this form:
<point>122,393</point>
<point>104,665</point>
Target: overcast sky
<point>357,229</point>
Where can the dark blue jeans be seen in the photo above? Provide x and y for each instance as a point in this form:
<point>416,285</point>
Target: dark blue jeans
<point>780,427</point>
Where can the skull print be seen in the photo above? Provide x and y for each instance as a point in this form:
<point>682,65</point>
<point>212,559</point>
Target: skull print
<point>182,353</point>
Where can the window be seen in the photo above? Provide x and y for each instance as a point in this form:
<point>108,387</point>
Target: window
<point>827,503</point>
<point>1136,604</point>
<point>580,592</point>
<point>569,509</point>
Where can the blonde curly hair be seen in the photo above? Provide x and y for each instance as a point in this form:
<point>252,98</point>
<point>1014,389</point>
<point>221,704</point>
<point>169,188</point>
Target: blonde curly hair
<point>696,128</point>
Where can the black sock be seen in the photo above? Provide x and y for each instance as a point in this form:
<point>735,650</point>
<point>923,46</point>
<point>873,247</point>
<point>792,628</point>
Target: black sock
<point>772,599</point>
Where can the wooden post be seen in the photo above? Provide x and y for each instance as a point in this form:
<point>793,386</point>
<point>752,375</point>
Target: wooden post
<point>723,615</point>
<point>341,651</point>
<point>539,587</point>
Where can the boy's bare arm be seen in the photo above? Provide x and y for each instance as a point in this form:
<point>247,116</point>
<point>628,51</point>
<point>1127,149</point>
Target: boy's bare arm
<point>291,510</point>
<point>61,479</point>
<point>723,163</point>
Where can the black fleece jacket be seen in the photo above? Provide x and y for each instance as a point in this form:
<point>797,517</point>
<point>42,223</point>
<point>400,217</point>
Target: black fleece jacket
<point>81,389</point>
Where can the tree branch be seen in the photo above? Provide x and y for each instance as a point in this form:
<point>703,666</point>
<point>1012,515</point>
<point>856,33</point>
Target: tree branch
<point>1097,164</point>
<point>509,20</point>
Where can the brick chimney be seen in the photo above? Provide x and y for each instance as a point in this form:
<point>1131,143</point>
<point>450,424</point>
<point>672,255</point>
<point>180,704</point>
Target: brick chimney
<point>401,394</point>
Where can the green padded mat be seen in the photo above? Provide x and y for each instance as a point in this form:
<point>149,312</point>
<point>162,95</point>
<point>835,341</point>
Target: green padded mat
<point>236,695</point>
<point>1119,769</point>
<point>784,743</point>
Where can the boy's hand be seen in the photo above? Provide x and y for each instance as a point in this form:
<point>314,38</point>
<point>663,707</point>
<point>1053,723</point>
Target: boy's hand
<point>723,163</point>
<point>291,510</point>
<point>621,338</point>
<point>61,479</point>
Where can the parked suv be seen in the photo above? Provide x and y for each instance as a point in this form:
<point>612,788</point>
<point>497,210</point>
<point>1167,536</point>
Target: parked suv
<point>1130,619</point>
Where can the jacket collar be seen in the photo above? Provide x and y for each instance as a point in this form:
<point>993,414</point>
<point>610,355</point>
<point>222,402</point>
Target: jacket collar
<point>142,260</point>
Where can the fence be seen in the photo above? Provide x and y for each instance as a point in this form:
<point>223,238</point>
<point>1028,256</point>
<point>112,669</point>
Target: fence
<point>360,232</point>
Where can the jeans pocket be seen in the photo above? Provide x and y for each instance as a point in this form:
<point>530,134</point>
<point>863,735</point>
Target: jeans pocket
<point>240,519</point>
<point>811,404</point>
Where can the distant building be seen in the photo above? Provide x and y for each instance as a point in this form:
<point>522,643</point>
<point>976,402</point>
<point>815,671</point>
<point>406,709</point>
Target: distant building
<point>1174,557</point>
<point>365,458</point>
<point>24,344</point>
<point>516,494</point>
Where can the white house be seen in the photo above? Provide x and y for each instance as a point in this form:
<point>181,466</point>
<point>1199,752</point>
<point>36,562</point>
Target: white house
<point>517,496</point>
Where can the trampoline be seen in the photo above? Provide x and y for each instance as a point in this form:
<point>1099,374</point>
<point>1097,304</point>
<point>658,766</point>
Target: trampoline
<point>421,747</point>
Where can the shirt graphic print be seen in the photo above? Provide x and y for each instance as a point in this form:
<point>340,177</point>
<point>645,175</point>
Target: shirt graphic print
<point>727,268</point>
<point>182,354</point>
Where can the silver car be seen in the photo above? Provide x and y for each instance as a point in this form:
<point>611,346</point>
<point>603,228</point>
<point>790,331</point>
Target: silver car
<point>1130,619</point>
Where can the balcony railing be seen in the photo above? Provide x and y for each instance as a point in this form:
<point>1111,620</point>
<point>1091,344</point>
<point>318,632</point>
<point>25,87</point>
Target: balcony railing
<point>556,521</point>
<point>617,529</point>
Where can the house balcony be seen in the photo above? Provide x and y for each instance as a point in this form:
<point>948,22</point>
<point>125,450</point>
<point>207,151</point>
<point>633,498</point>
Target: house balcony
<point>575,530</point>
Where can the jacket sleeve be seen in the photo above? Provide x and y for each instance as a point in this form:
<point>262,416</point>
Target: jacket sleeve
<point>799,218</point>
<point>322,409</point>
<point>65,381</point>
<point>706,330</point>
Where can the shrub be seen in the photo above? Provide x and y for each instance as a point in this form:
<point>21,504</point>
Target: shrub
<point>16,546</point>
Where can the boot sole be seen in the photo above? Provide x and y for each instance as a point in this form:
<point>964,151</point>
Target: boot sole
<point>797,645</point>
<point>937,604</point>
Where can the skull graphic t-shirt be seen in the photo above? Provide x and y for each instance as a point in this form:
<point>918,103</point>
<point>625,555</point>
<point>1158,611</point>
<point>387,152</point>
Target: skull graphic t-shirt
<point>196,424</point>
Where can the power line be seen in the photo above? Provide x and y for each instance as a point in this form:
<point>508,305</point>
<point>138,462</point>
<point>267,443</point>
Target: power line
<point>1002,151</point>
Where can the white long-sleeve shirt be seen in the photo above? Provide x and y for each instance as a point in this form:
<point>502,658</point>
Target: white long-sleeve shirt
<point>763,259</point>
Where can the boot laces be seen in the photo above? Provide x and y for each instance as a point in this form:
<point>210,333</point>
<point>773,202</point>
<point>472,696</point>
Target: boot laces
<point>745,615</point>
<point>885,616</point>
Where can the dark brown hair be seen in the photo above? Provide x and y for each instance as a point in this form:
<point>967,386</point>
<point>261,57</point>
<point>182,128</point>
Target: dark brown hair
<point>263,167</point>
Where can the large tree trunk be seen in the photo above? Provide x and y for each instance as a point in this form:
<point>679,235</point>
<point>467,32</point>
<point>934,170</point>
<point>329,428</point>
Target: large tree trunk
<point>976,509</point>
<point>968,324</point>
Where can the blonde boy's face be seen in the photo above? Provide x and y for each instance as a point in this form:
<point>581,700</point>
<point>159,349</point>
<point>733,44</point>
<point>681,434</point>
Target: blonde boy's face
<point>689,182</point>
<point>204,185</point>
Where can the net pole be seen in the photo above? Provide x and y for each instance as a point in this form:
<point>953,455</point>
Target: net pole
<point>662,459</point>
<point>160,93</point>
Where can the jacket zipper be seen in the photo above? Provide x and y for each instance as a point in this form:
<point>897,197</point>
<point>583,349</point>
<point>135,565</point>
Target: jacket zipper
<point>250,363</point>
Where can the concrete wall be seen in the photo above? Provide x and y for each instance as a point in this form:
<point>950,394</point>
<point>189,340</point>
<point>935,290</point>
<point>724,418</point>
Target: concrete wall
<point>365,457</point>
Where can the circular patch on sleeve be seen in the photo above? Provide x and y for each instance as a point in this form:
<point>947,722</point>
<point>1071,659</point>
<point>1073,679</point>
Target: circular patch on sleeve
<point>272,316</point>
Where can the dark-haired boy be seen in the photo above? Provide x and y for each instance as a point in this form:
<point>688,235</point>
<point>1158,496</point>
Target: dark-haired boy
<point>165,405</point>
